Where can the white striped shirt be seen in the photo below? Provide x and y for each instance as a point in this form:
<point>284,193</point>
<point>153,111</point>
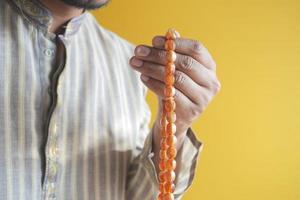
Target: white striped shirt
<point>74,122</point>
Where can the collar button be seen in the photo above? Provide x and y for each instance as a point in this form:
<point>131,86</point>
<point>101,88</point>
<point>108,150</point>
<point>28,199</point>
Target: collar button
<point>49,52</point>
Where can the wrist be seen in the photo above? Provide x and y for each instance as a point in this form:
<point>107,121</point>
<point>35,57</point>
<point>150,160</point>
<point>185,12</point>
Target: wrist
<point>180,135</point>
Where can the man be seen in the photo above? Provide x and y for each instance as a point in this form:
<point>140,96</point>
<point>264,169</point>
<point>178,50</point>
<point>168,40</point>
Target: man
<point>73,115</point>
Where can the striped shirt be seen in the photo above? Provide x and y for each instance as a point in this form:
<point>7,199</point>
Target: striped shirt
<point>74,122</point>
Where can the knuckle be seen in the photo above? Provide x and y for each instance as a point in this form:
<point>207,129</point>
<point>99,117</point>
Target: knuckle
<point>161,55</point>
<point>216,86</point>
<point>204,100</point>
<point>187,63</point>
<point>197,46</point>
<point>155,38</point>
<point>195,112</point>
<point>201,108</point>
<point>179,78</point>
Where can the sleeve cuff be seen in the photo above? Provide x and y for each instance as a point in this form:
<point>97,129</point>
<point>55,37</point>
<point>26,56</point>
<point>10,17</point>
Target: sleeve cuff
<point>146,158</point>
<point>187,157</point>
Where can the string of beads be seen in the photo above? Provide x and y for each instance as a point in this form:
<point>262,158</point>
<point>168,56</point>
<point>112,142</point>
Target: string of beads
<point>167,153</point>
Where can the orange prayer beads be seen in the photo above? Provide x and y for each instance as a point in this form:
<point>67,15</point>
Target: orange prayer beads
<point>168,152</point>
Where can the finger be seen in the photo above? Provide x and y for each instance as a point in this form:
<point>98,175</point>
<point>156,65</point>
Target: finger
<point>189,47</point>
<point>182,82</point>
<point>185,109</point>
<point>158,88</point>
<point>184,63</point>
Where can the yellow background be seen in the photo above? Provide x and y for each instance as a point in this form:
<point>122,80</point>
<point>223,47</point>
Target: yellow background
<point>251,130</point>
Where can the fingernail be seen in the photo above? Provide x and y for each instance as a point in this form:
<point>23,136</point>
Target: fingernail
<point>143,51</point>
<point>136,62</point>
<point>159,41</point>
<point>144,78</point>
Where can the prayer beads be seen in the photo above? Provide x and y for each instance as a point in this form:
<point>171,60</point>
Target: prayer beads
<point>168,152</point>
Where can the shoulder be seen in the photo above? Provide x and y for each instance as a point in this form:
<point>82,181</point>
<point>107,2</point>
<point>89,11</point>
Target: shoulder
<point>111,40</point>
<point>116,48</point>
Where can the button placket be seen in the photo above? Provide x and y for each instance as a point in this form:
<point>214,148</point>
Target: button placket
<point>54,128</point>
<point>52,146</point>
<point>59,89</point>
<point>52,161</point>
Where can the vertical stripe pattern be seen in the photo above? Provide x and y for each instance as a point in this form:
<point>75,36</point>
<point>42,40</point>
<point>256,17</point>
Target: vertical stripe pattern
<point>73,114</point>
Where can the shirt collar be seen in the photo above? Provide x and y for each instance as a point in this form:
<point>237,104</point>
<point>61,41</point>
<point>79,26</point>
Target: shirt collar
<point>35,12</point>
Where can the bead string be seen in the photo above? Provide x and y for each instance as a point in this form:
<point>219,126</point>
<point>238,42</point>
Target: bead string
<point>167,153</point>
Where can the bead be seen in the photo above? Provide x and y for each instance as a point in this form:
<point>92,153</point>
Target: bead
<point>172,34</point>
<point>163,133</point>
<point>171,117</point>
<point>163,142</point>
<point>171,128</point>
<point>168,99</point>
<point>163,154</point>
<point>162,122</point>
<point>171,140</point>
<point>160,196</point>
<point>171,152</point>
<point>169,175</point>
<point>169,80</point>
<point>168,152</point>
<point>170,68</point>
<point>161,187</point>
<point>170,105</point>
<point>170,164</point>
<point>170,72</point>
<point>162,176</point>
<point>169,91</point>
<point>171,56</point>
<point>162,165</point>
<point>170,45</point>
<point>168,187</point>
<point>168,196</point>
<point>163,146</point>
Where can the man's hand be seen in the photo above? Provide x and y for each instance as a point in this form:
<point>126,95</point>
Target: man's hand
<point>196,82</point>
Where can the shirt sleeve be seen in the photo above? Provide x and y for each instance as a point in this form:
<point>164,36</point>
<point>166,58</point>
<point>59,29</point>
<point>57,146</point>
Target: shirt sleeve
<point>142,177</point>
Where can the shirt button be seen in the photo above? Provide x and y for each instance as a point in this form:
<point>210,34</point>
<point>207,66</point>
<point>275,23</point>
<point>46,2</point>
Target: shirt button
<point>49,52</point>
<point>53,151</point>
<point>51,188</point>
<point>54,129</point>
<point>52,171</point>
